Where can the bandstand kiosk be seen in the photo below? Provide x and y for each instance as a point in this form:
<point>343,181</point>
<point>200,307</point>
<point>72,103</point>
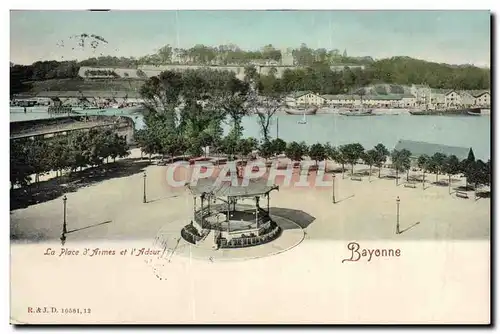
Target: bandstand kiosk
<point>229,214</point>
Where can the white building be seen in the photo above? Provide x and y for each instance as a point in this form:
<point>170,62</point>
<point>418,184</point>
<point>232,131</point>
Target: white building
<point>408,101</point>
<point>452,99</point>
<point>467,99</point>
<point>376,101</point>
<point>483,99</point>
<point>422,94</point>
<point>305,98</point>
<point>437,99</point>
<point>340,100</point>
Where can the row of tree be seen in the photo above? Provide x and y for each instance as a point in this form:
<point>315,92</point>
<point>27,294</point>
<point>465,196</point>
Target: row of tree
<point>476,171</point>
<point>76,150</point>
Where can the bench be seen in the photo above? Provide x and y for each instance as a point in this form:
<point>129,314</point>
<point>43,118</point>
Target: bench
<point>462,194</point>
<point>410,185</point>
<point>356,178</point>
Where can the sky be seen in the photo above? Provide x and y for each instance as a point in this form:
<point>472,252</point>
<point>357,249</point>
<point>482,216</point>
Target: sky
<point>454,37</point>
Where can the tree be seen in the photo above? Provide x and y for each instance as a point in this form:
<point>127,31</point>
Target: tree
<point>230,95</point>
<point>294,151</point>
<point>58,155</point>
<point>423,163</point>
<point>251,73</point>
<point>466,165</point>
<point>37,151</point>
<point>20,168</point>
<point>229,146</point>
<point>278,146</point>
<point>337,155</point>
<point>488,173</point>
<point>162,95</point>
<point>266,150</point>
<point>451,166</point>
<point>400,161</point>
<point>245,146</point>
<point>304,148</point>
<point>382,154</point>
<point>317,152</point>
<point>478,174</point>
<point>436,163</point>
<point>265,111</point>
<point>352,153</point>
<point>370,157</point>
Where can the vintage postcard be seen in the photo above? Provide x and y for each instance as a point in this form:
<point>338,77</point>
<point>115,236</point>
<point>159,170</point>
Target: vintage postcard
<point>250,167</point>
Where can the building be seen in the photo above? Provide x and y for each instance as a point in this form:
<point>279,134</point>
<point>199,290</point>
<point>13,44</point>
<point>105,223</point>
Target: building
<point>467,99</point>
<point>408,101</point>
<point>482,99</point>
<point>305,98</point>
<point>287,57</point>
<point>418,148</point>
<point>438,99</point>
<point>340,100</point>
<point>375,101</point>
<point>422,94</point>
<point>452,99</point>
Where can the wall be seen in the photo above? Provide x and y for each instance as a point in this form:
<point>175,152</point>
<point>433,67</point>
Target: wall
<point>152,70</point>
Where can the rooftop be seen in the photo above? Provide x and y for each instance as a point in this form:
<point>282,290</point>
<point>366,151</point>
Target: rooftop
<point>236,188</point>
<point>418,148</point>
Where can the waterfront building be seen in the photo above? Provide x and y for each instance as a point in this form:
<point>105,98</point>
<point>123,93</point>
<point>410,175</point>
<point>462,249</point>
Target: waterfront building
<point>376,101</point>
<point>452,99</point>
<point>467,99</point>
<point>339,100</point>
<point>422,94</point>
<point>304,98</point>
<point>483,99</point>
<point>438,99</point>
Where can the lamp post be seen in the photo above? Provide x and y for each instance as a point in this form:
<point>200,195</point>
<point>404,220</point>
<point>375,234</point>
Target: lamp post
<point>144,192</point>
<point>397,217</point>
<point>65,229</point>
<point>333,188</point>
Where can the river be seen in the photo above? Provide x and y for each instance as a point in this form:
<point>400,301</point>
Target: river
<point>464,131</point>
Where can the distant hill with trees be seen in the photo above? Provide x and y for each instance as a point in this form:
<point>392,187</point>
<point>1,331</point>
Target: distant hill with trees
<point>312,68</point>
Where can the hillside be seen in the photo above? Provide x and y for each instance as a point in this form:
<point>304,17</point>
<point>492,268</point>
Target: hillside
<point>396,71</point>
<point>407,71</point>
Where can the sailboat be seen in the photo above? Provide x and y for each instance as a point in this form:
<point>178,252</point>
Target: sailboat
<point>303,120</point>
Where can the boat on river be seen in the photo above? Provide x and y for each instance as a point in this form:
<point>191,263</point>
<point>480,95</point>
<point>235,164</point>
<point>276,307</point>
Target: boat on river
<point>358,112</point>
<point>302,111</point>
<point>303,120</point>
<point>447,112</point>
